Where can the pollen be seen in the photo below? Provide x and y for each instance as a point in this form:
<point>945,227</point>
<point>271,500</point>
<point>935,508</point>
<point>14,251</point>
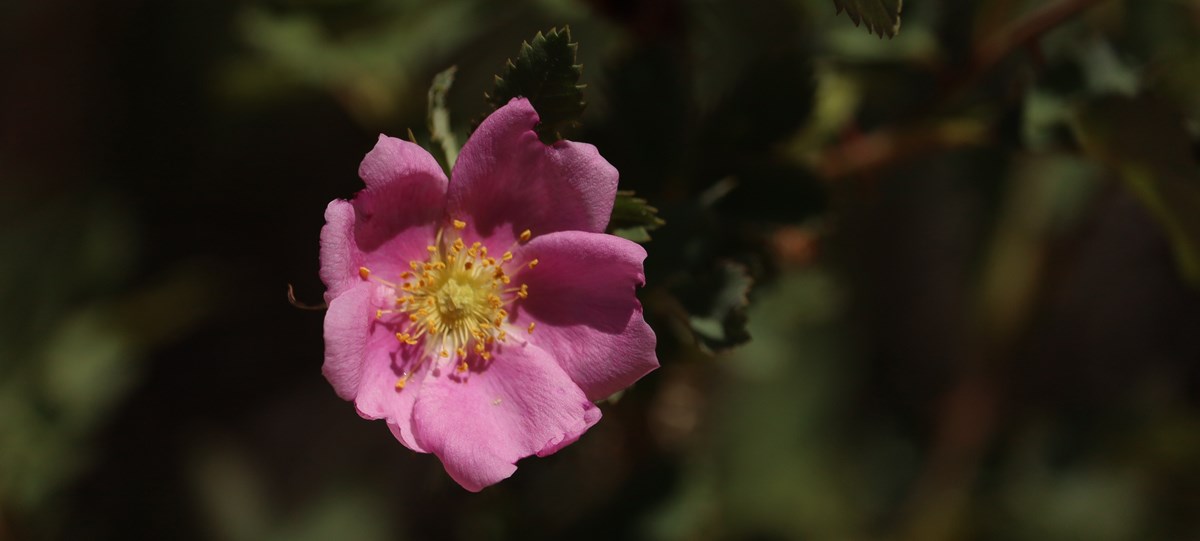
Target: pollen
<point>454,305</point>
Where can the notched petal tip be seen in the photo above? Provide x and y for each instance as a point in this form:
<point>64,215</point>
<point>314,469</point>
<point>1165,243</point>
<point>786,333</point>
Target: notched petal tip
<point>394,159</point>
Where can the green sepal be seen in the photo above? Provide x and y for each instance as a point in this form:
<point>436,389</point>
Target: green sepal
<point>633,218</point>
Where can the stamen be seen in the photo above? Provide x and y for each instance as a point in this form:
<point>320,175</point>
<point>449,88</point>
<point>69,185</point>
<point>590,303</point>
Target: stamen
<point>458,296</point>
<point>531,325</point>
<point>533,263</point>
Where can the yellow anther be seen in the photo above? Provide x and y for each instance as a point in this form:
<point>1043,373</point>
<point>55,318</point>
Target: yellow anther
<point>459,299</point>
<point>531,325</point>
<point>400,383</point>
<point>526,235</point>
<point>533,263</point>
<point>364,272</point>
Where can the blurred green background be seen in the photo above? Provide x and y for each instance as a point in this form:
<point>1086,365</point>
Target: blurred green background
<point>965,258</point>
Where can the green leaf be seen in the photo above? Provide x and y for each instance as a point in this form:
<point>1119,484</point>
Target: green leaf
<point>545,72</point>
<point>1147,143</point>
<point>881,16</point>
<point>633,218</point>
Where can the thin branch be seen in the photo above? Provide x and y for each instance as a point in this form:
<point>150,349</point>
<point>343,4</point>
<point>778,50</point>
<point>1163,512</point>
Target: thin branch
<point>1021,33</point>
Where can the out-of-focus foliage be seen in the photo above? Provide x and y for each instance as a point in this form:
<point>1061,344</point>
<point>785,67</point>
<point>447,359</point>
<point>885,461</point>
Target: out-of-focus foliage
<point>1147,143</point>
<point>938,286</point>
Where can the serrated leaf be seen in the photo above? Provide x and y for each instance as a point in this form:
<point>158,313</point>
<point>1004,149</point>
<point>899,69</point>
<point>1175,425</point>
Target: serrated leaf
<point>545,72</point>
<point>633,218</point>
<point>1146,142</point>
<point>882,17</point>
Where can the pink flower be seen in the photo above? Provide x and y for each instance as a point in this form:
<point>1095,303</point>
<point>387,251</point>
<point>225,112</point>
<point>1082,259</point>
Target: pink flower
<point>481,318</point>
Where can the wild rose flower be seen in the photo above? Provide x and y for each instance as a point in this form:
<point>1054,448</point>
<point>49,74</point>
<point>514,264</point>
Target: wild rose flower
<point>482,317</point>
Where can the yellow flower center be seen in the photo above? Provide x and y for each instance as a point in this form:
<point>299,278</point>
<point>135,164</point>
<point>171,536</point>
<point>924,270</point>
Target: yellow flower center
<point>455,303</point>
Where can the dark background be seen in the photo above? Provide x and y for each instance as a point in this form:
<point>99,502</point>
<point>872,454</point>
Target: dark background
<point>971,315</point>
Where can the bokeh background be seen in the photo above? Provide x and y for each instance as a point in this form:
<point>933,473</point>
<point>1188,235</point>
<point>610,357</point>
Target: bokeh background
<point>964,257</point>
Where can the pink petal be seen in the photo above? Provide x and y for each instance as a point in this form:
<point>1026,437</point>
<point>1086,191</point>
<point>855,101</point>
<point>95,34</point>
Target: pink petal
<point>519,405</point>
<point>388,223</point>
<point>340,256</point>
<point>362,362</point>
<point>506,181</point>
<point>378,397</point>
<point>582,296</point>
<point>347,327</point>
